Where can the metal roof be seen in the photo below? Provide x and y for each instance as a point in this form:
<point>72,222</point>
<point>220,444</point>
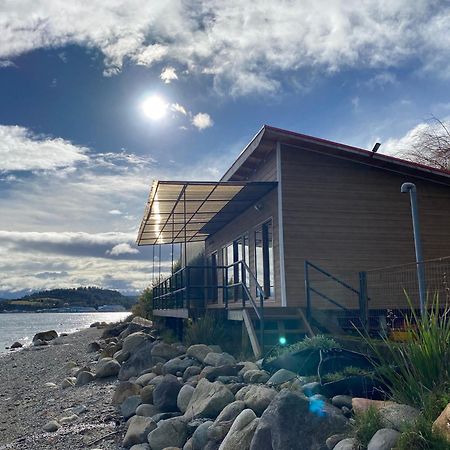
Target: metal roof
<point>190,211</point>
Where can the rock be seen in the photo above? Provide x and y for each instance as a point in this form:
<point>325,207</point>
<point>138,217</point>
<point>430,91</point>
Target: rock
<point>140,447</point>
<point>360,405</point>
<point>135,340</point>
<point>80,409</point>
<point>241,432</point>
<point>68,419</point>
<point>199,351</point>
<point>441,425</point>
<point>166,393</point>
<point>157,368</point>
<point>52,426</point>
<point>256,376</point>
<point>70,365</point>
<point>200,436</point>
<point>93,347</point>
<point>248,365</point>
<point>347,444</point>
<point>45,336</point>
<point>143,380</point>
<point>165,416</point>
<point>384,439</point>
<point>212,373</point>
<point>107,367</point>
<point>147,410</point>
<point>109,350</point>
<point>68,382</point>
<point>235,388</point>
<point>258,398</point>
<point>396,416</point>
<point>333,440</point>
<point>310,389</point>
<point>138,430</point>
<point>114,330</point>
<point>50,385</point>
<point>124,390</point>
<point>165,351</point>
<point>139,360</point>
<point>121,356</point>
<point>141,321</point>
<point>188,445</point>
<point>16,345</point>
<point>177,365</point>
<point>281,376</point>
<point>219,429</point>
<point>342,400</point>
<point>155,381</point>
<point>170,432</point>
<point>84,377</point>
<point>208,400</point>
<point>147,393</point>
<point>184,397</point>
<point>128,407</point>
<point>289,423</point>
<point>218,359</point>
<point>190,372</point>
<point>39,342</point>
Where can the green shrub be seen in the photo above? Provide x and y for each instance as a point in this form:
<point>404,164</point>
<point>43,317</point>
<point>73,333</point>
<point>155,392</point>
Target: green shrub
<point>366,425</point>
<point>205,330</point>
<point>421,366</point>
<point>349,371</point>
<point>143,307</point>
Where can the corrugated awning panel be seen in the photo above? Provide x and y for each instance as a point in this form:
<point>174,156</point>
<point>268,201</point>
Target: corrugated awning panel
<point>191,211</point>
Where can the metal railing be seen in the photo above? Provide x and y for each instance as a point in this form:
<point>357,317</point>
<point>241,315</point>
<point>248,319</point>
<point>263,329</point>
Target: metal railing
<point>198,286</point>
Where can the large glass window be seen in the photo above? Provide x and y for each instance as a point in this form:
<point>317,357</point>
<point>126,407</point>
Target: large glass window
<point>264,257</point>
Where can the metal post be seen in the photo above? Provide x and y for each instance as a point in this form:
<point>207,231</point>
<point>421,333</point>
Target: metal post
<point>363,300</point>
<point>411,188</point>
<point>307,292</point>
<point>261,321</point>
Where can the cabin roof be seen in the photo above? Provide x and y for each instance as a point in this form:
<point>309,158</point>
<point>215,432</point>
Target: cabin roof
<point>190,211</point>
<point>267,138</point>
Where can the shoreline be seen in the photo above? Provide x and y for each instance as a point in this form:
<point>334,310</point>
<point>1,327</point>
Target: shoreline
<point>32,395</point>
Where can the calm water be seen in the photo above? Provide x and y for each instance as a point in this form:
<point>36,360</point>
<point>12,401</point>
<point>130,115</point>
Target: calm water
<point>23,326</point>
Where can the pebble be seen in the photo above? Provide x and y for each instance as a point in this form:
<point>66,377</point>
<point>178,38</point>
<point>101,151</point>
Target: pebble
<point>52,426</point>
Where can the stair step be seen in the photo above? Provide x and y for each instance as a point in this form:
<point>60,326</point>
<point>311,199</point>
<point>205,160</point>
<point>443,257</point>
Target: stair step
<point>287,331</point>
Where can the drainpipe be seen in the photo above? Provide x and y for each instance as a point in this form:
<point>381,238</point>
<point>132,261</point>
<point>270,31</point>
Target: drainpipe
<point>411,188</point>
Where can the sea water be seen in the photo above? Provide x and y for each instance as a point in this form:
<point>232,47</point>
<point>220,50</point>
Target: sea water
<point>22,327</point>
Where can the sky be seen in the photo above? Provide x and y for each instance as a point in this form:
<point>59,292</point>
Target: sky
<point>99,98</point>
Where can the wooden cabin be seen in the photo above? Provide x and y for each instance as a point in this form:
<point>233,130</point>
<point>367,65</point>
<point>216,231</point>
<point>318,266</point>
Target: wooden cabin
<point>291,226</point>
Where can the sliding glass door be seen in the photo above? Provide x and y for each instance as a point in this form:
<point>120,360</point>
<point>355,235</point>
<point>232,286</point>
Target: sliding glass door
<point>264,258</point>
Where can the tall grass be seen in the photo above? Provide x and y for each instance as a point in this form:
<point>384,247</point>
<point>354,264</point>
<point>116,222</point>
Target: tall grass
<point>206,330</point>
<point>421,366</point>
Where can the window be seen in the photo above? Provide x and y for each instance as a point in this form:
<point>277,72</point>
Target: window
<point>264,258</point>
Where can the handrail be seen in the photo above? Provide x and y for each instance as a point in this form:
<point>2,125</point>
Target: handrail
<point>324,272</point>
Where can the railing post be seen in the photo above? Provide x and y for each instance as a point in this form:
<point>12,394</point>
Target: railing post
<point>188,296</point>
<point>363,300</point>
<point>225,287</point>
<point>242,283</point>
<point>307,292</point>
<point>261,321</point>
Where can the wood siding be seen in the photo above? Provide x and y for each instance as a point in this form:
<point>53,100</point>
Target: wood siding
<point>348,217</point>
<point>248,223</point>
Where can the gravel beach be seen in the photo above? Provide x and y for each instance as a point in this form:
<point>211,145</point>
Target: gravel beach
<point>31,395</point>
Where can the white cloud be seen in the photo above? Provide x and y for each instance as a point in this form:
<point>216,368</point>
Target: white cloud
<point>178,108</point>
<point>115,212</point>
<point>243,46</point>
<point>6,63</point>
<point>168,75</point>
<point>20,149</point>
<point>202,121</point>
<point>122,249</point>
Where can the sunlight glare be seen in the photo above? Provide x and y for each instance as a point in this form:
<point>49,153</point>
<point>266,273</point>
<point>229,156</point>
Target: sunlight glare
<point>154,107</point>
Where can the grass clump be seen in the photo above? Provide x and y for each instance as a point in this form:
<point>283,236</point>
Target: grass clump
<point>366,425</point>
<point>205,330</point>
<point>349,371</point>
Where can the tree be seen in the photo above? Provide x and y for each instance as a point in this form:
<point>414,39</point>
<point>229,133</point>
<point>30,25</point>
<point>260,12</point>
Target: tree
<point>143,307</point>
<point>430,144</point>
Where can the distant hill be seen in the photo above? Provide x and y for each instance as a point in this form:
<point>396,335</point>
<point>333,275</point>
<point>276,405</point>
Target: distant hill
<point>58,298</point>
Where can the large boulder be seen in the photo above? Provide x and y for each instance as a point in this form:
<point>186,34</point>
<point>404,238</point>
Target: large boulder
<point>45,336</point>
<point>147,393</point>
<point>200,436</point>
<point>107,367</point>
<point>256,376</point>
<point>397,416</point>
<point>135,340</point>
<point>199,351</point>
<point>145,379</point>
<point>281,376</point>
<point>147,410</point>
<point>184,397</point>
<point>84,377</point>
<point>128,407</point>
<point>384,439</point>
<point>258,398</point>
<point>218,359</point>
<point>138,430</point>
<point>347,444</point>
<point>241,432</point>
<point>208,399</point>
<point>124,390</point>
<point>169,433</point>
<point>228,370</point>
<point>221,426</point>
<point>290,423</point>
<point>441,425</point>
<point>176,365</point>
<point>138,361</point>
<point>166,393</point>
<point>165,351</point>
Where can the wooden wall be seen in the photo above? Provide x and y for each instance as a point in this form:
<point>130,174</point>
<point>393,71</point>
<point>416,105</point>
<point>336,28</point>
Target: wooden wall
<point>249,221</point>
<point>348,217</point>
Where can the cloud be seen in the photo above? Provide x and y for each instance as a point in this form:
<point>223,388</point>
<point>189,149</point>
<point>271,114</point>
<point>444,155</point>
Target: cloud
<point>115,212</point>
<point>168,75</point>
<point>202,121</point>
<point>245,48</point>
<point>20,149</point>
<point>400,146</point>
<point>178,108</point>
<point>122,249</point>
<point>6,63</point>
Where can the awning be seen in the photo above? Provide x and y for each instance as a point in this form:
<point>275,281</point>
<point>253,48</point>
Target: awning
<point>190,211</point>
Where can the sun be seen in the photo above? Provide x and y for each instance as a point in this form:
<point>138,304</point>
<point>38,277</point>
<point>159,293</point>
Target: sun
<point>154,107</point>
